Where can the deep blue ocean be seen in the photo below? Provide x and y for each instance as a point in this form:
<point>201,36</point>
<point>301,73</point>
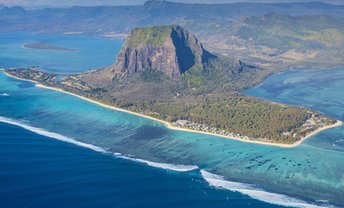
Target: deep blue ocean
<point>37,171</point>
<point>57,150</point>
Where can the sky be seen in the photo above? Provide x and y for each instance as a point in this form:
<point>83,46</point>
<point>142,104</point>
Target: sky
<point>67,3</point>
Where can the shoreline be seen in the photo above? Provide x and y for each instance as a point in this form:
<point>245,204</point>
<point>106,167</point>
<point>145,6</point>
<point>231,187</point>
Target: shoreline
<point>337,124</point>
<point>172,127</point>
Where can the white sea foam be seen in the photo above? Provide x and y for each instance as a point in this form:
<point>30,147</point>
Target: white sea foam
<point>51,134</point>
<point>4,94</point>
<point>255,193</point>
<point>166,166</point>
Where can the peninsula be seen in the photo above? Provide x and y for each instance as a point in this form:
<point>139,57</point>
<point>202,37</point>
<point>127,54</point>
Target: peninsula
<point>165,73</point>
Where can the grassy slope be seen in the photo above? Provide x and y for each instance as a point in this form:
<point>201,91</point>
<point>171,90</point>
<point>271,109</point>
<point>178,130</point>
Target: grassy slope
<point>286,32</point>
<point>153,35</point>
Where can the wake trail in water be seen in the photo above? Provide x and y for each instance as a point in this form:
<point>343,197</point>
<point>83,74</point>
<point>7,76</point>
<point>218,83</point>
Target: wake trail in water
<point>218,181</point>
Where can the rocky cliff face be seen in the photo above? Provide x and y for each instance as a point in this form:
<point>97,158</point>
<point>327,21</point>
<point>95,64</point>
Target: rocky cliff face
<point>163,61</point>
<point>168,49</point>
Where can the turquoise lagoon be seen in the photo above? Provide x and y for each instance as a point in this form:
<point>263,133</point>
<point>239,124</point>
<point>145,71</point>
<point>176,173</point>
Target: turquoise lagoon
<point>90,52</point>
<point>310,175</point>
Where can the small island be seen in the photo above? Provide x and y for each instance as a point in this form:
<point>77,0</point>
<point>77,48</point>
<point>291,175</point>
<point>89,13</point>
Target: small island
<point>165,74</point>
<point>47,46</point>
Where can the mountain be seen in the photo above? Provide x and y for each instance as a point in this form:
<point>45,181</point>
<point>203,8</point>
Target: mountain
<point>170,60</point>
<point>163,62</point>
<point>168,49</point>
<point>285,32</point>
<point>12,11</point>
<point>279,40</point>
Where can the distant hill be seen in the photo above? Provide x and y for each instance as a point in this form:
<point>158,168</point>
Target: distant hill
<point>122,19</point>
<point>12,11</point>
<point>281,41</point>
<point>272,35</point>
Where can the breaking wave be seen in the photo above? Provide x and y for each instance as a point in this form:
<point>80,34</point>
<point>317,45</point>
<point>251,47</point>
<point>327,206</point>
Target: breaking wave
<point>51,134</point>
<point>255,193</point>
<point>4,94</point>
<point>166,166</point>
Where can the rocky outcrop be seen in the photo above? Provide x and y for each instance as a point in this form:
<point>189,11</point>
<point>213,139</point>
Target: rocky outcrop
<point>169,60</point>
<point>168,49</point>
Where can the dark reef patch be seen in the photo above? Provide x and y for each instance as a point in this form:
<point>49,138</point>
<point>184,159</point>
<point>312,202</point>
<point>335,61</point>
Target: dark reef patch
<point>149,132</point>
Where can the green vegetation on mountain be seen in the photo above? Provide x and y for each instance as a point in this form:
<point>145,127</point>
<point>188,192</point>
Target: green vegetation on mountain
<point>286,32</point>
<point>279,41</point>
<point>154,35</point>
<point>178,65</point>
